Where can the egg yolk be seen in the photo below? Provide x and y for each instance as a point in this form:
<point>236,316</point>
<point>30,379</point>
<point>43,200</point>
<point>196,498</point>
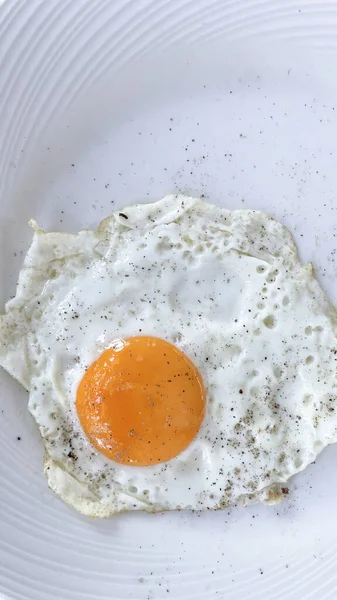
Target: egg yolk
<point>141,402</point>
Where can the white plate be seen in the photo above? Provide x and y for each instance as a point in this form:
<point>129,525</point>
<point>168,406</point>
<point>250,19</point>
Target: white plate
<point>108,102</point>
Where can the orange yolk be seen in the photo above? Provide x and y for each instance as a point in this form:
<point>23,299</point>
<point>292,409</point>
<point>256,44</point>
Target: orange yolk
<point>141,402</point>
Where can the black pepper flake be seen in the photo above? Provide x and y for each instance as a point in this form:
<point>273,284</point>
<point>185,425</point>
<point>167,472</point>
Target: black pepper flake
<point>18,438</point>
<point>123,215</point>
<point>72,455</point>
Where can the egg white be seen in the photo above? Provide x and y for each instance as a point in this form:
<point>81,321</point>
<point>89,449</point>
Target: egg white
<point>225,287</point>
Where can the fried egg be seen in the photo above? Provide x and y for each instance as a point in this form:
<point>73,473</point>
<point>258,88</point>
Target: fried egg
<point>181,357</point>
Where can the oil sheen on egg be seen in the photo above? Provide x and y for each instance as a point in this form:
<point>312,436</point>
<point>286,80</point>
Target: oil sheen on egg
<point>179,357</point>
